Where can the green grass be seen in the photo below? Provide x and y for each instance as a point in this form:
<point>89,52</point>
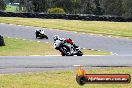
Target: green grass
<point>15,47</point>
<point>10,8</point>
<point>59,79</point>
<point>122,29</point>
<point>19,47</point>
<point>92,52</point>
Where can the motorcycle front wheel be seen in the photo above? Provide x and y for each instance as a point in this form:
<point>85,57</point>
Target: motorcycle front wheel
<point>46,37</point>
<point>79,53</point>
<point>63,54</point>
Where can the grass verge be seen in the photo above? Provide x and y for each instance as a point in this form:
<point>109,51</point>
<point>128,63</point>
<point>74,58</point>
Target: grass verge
<point>122,29</point>
<point>92,52</point>
<point>19,47</point>
<point>59,79</point>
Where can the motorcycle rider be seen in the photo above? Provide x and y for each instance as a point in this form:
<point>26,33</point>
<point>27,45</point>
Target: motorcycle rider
<point>41,33</point>
<point>56,37</point>
<point>37,32</point>
<point>58,41</point>
<point>68,40</point>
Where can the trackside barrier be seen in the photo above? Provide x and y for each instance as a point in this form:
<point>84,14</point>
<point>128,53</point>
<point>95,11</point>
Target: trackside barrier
<point>2,43</point>
<point>85,17</point>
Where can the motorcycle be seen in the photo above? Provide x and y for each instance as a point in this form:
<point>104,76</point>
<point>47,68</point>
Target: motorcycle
<point>67,49</point>
<point>41,34</point>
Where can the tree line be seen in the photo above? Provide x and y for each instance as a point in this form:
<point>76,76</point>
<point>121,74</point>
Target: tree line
<point>97,7</point>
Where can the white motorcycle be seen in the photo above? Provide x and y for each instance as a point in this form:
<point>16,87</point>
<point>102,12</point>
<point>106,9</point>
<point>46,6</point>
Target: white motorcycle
<point>67,49</point>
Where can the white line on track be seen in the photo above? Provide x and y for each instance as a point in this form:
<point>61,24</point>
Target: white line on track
<point>8,37</point>
<point>2,23</point>
<point>83,55</point>
<point>23,39</point>
<point>47,42</point>
<point>11,24</point>
<point>76,65</point>
<point>91,34</point>
<point>28,26</point>
<point>75,32</point>
<point>83,33</point>
<point>19,25</point>
<point>34,55</point>
<point>52,55</point>
<point>109,36</point>
<point>92,49</point>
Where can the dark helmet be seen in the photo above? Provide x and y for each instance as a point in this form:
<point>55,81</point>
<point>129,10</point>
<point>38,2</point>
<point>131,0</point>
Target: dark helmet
<point>56,37</point>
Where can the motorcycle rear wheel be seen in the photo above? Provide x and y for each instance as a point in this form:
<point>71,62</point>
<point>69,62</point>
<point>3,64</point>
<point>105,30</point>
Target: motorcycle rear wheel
<point>65,51</point>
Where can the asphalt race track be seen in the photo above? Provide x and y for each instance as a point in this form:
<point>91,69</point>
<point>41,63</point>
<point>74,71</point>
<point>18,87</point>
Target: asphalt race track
<point>120,46</point>
<point>42,63</point>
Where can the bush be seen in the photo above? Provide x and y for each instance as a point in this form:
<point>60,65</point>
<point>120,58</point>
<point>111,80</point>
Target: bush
<point>56,10</point>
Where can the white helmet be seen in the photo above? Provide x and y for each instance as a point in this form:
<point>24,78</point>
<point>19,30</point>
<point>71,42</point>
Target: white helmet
<point>56,37</point>
<point>37,29</point>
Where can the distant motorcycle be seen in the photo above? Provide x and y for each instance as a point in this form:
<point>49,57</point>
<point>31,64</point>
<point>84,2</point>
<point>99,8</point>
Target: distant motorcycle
<point>67,49</point>
<point>41,34</point>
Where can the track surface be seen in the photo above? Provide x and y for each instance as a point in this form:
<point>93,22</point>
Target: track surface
<point>43,63</point>
<point>120,46</point>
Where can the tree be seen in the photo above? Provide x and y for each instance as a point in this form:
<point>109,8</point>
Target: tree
<point>67,5</point>
<point>76,6</point>
<point>2,5</point>
<point>11,1</point>
<point>40,5</point>
<point>98,7</point>
<point>87,7</point>
<point>127,8</point>
<point>24,5</point>
<point>98,10</point>
<point>112,7</point>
